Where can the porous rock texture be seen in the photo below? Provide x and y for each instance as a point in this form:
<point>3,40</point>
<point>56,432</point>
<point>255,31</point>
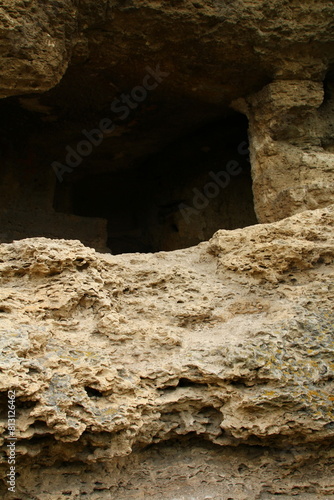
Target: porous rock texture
<point>291,130</point>
<point>200,373</point>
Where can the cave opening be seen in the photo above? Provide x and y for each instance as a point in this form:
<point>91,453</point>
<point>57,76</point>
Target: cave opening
<point>174,198</point>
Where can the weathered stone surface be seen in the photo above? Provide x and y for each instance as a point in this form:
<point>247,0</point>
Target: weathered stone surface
<point>68,61</point>
<point>230,341</point>
<point>36,40</point>
<point>291,136</point>
<point>204,373</point>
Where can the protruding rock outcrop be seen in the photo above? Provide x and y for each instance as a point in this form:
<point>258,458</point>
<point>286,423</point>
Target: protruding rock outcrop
<point>74,65</point>
<point>231,341</point>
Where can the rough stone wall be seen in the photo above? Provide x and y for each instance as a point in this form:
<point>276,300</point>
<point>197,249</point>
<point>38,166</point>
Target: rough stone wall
<point>36,41</point>
<point>230,341</point>
<point>68,60</point>
<point>292,165</point>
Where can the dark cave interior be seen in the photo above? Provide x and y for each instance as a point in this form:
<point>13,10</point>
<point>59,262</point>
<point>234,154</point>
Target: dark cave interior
<point>161,182</point>
<point>175,198</point>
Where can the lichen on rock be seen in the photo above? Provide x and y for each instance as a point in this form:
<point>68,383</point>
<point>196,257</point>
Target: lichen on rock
<point>110,354</point>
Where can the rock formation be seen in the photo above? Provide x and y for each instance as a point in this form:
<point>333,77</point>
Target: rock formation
<point>69,68</point>
<point>229,343</point>
<point>201,132</point>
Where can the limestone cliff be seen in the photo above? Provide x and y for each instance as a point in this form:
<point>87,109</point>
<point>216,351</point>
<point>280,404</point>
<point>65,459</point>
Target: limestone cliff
<point>202,368</point>
<point>229,343</point>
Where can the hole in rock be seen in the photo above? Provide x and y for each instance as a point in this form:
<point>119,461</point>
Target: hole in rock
<point>40,428</point>
<point>5,309</point>
<point>184,382</point>
<point>91,392</point>
<point>175,198</point>
<point>24,404</point>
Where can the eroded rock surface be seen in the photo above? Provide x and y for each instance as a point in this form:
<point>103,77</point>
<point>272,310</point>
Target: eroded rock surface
<point>225,350</point>
<point>196,374</point>
<point>291,137</point>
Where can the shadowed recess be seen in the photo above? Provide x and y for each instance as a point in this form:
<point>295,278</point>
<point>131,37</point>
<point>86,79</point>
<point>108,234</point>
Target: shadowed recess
<point>175,198</point>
